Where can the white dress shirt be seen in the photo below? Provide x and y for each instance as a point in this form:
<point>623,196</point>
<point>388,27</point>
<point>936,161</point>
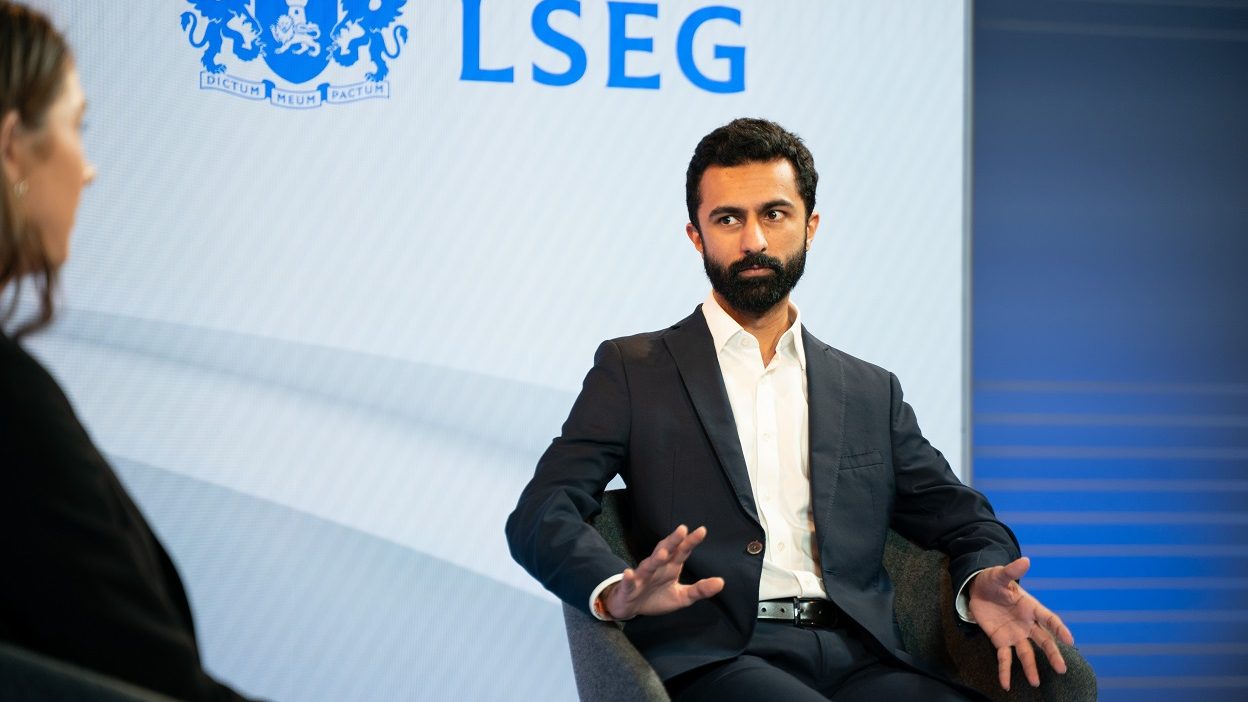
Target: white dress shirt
<point>769,407</point>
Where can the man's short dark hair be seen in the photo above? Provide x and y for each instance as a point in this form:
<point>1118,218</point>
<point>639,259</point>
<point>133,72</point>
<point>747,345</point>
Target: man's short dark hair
<point>747,140</point>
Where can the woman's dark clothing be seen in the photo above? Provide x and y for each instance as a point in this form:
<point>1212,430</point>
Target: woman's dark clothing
<point>84,579</point>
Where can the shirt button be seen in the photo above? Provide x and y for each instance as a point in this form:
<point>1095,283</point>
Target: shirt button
<point>754,548</point>
<point>780,546</point>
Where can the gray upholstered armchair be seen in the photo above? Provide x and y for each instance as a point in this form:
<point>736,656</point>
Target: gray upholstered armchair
<point>607,667</point>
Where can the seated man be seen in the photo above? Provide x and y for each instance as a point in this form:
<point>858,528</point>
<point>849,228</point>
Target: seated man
<point>793,459</point>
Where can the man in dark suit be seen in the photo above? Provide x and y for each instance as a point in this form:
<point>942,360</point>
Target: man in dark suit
<point>795,459</point>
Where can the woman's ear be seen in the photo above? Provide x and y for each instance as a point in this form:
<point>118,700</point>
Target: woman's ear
<point>10,158</point>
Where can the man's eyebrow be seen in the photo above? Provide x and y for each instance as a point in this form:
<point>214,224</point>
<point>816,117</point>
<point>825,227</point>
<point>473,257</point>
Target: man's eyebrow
<point>725,210</point>
<point>772,204</point>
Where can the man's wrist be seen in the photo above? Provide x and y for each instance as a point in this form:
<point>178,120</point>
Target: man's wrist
<point>600,603</point>
<point>598,598</point>
<point>962,600</point>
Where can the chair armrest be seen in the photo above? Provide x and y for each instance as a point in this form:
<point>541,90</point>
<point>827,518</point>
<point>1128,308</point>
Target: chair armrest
<point>930,630</point>
<point>606,664</point>
<point>976,660</point>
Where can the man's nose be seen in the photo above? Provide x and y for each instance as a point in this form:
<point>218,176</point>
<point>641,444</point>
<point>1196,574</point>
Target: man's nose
<point>753,239</point>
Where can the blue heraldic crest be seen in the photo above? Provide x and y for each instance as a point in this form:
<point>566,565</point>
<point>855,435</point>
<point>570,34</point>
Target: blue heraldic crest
<point>297,41</point>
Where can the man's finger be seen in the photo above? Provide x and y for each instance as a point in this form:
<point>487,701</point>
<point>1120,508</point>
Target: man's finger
<point>992,582</point>
<point>1051,622</point>
<point>627,587</point>
<point>1004,661</point>
<point>1018,568</point>
<point>647,568</point>
<point>645,577</point>
<point>672,540</point>
<point>663,550</point>
<point>704,588</point>
<point>1049,645</point>
<point>666,553</point>
<point>681,553</point>
<point>1027,656</point>
<point>1054,624</point>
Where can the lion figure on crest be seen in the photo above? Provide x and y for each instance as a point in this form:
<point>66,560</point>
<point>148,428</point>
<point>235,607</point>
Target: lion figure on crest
<point>301,35</point>
<point>365,22</point>
<point>224,19</point>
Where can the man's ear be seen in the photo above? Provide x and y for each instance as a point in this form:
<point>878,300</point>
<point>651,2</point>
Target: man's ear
<point>694,235</point>
<point>812,225</point>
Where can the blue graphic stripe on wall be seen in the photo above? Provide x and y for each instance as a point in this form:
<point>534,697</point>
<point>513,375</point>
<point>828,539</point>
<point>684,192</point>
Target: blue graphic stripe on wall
<point>1152,468</point>
<point>1110,370</point>
<point>1152,557</point>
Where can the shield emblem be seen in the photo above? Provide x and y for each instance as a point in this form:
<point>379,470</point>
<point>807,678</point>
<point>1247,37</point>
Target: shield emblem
<point>296,36</point>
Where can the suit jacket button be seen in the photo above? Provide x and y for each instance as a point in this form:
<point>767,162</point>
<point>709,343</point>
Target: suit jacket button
<point>754,548</point>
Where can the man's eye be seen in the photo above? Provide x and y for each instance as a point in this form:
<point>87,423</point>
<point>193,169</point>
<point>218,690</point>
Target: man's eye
<point>774,214</point>
<point>728,220</point>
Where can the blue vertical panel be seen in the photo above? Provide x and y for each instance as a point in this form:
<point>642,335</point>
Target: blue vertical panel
<point>1110,338</point>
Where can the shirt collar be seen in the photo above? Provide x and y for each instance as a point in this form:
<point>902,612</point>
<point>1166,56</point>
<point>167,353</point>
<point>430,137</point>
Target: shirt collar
<point>724,329</point>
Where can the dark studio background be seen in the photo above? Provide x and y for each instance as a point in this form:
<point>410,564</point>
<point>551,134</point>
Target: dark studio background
<point>1110,349</point>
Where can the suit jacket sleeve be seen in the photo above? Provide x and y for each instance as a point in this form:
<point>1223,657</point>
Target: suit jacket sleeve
<point>85,580</point>
<point>547,531</point>
<point>935,509</point>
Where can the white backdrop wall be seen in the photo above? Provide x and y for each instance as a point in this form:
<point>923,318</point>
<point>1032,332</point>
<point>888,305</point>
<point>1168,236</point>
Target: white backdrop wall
<point>325,346</point>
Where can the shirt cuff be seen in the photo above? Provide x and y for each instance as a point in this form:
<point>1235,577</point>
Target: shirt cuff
<point>962,602</point>
<point>593,597</point>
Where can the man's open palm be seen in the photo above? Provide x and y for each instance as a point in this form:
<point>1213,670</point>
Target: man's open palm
<point>654,587</point>
<point>1014,620</point>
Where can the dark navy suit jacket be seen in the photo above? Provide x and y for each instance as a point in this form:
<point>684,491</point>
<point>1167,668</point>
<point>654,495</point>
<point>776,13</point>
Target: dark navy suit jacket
<point>654,410</point>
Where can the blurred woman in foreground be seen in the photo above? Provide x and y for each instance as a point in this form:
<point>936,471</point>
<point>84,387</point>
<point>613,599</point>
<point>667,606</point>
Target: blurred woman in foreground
<point>83,579</point>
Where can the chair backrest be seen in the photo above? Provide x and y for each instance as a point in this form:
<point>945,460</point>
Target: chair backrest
<point>610,523</point>
<point>26,676</point>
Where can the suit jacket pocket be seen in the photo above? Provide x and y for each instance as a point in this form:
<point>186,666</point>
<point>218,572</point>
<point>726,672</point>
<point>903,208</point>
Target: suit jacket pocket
<point>864,459</point>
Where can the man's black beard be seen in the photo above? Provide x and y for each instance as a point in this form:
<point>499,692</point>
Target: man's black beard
<point>755,295</point>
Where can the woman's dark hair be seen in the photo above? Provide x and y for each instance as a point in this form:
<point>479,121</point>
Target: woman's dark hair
<point>34,60</point>
<point>743,141</point>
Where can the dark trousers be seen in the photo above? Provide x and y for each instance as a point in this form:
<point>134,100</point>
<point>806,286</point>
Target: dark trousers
<point>786,662</point>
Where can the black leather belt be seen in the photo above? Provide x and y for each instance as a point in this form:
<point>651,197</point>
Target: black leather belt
<point>802,612</point>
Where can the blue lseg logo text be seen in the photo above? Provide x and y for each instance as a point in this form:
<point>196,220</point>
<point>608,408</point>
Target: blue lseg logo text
<point>620,45</point>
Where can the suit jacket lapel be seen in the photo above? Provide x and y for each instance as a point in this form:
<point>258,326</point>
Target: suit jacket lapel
<point>825,391</point>
<point>693,349</point>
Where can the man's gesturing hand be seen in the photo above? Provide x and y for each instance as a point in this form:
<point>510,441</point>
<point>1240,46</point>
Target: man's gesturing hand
<point>654,587</point>
<point>1013,619</point>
